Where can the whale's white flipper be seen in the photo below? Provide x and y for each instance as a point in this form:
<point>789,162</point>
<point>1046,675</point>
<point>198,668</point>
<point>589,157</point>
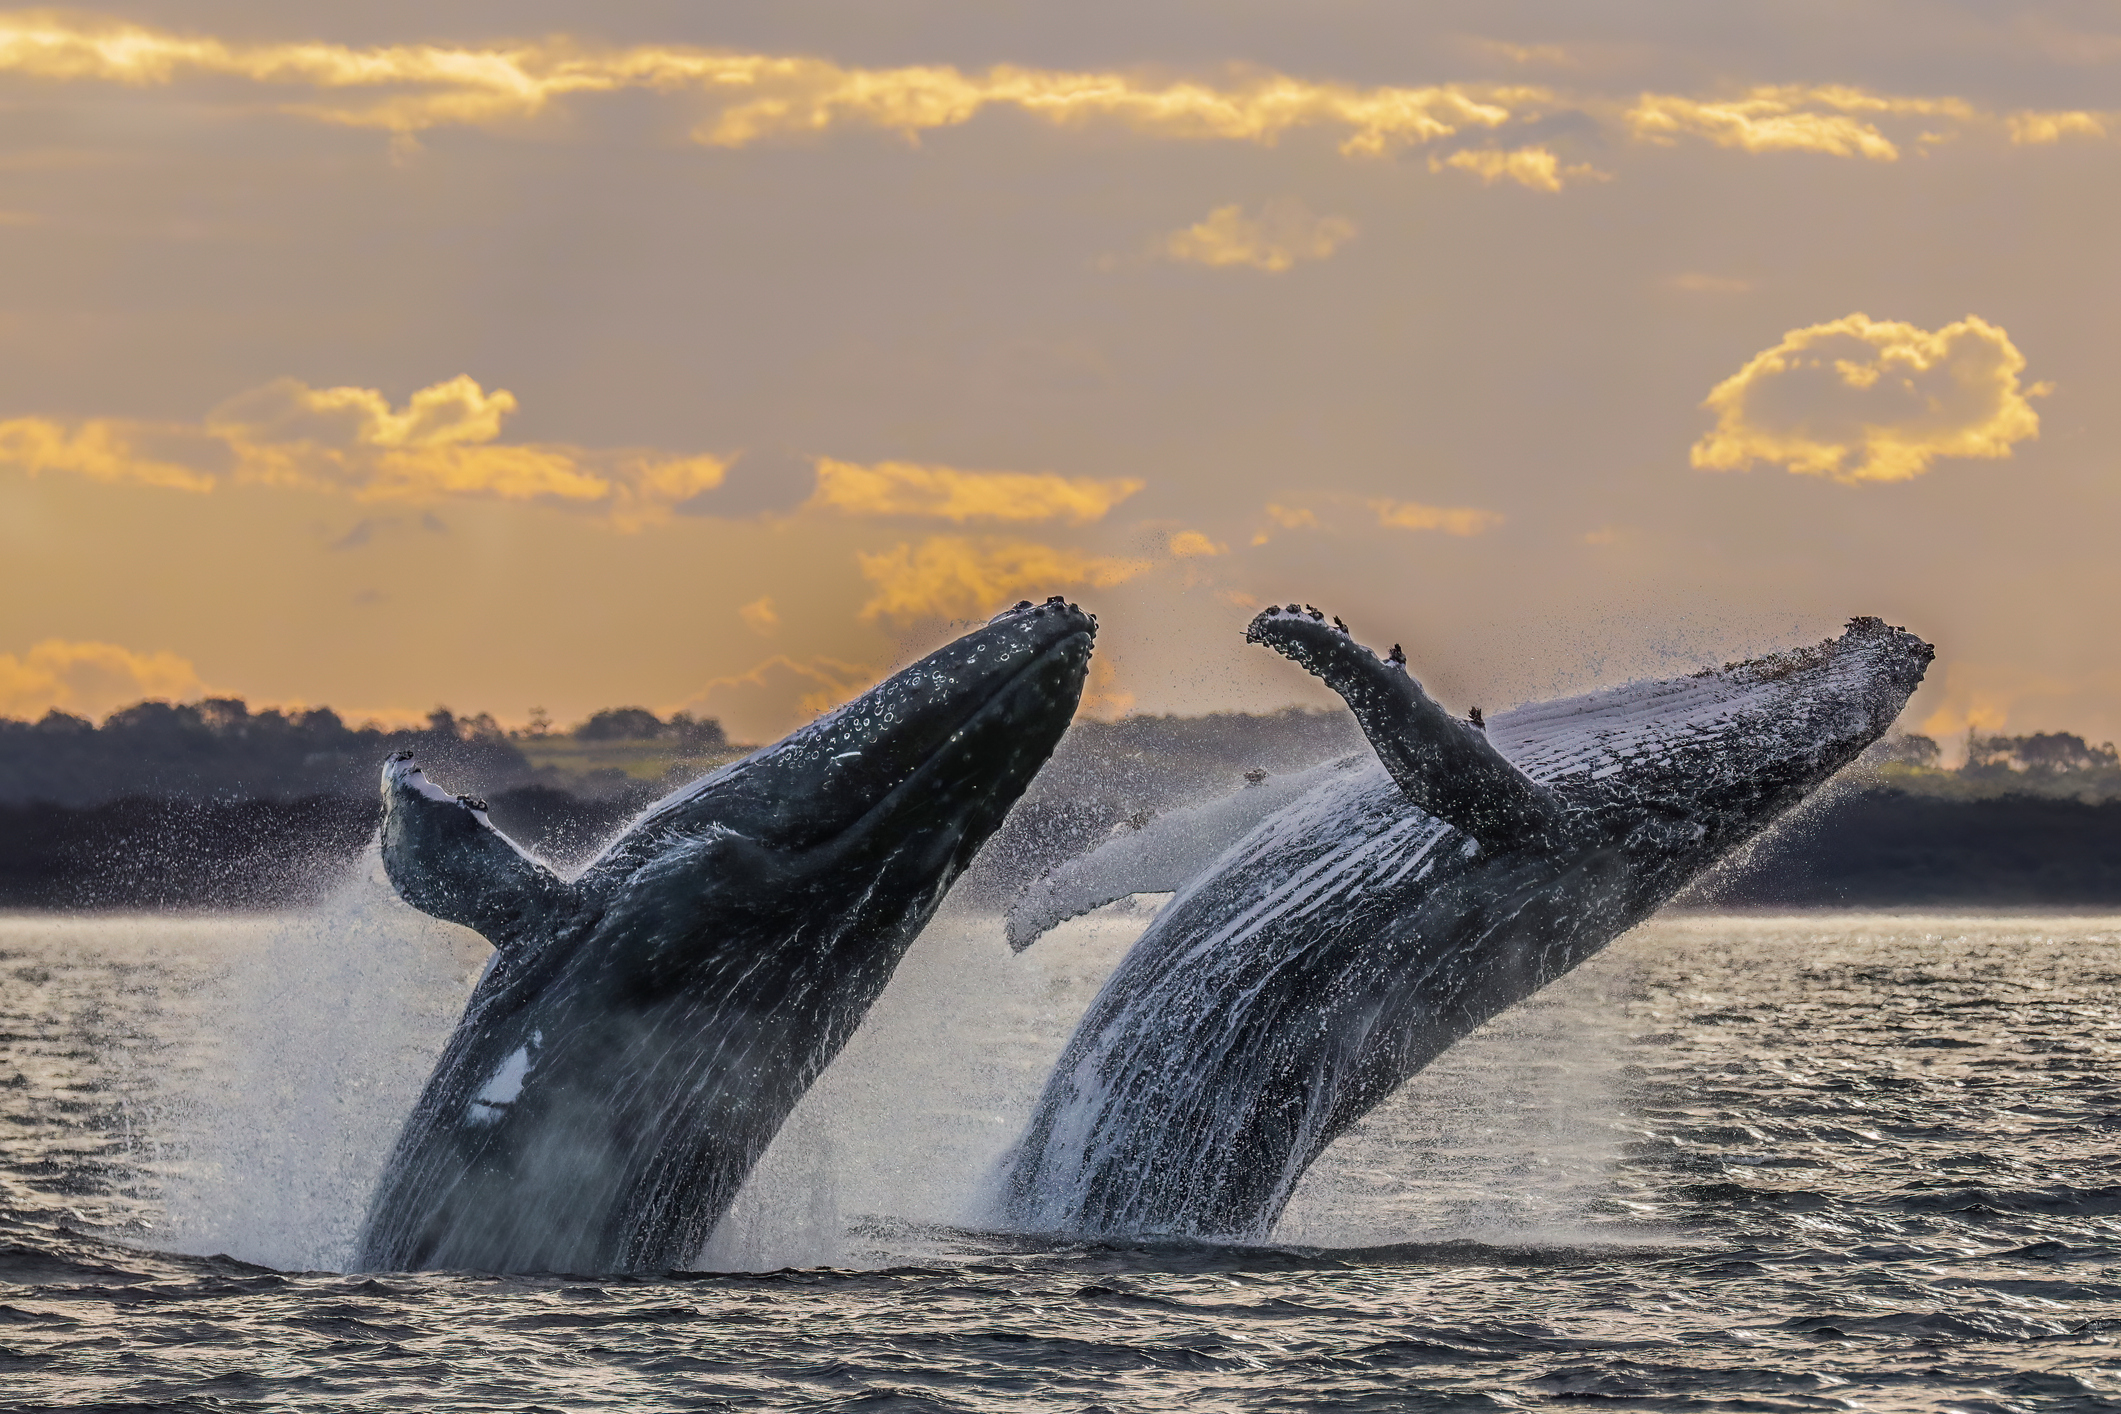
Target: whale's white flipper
<point>1446,767</point>
<point>445,858</point>
<point>1159,858</point>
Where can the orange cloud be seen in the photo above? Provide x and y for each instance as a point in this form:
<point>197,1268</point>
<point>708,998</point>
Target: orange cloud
<point>1281,235</point>
<point>2039,129</point>
<point>1191,544</point>
<point>778,695</point>
<point>761,617</point>
<point>1789,118</point>
<point>1533,167</point>
<point>410,88</point>
<point>1451,520</point>
<point>441,444</point>
<point>406,89</point>
<point>90,679</point>
<point>1860,399</point>
<point>1292,517</point>
<point>954,577</point>
<point>946,493</point>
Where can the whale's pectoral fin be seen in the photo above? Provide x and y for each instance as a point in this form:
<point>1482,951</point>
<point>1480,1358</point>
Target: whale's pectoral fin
<point>445,858</point>
<point>1162,856</point>
<point>1445,766</point>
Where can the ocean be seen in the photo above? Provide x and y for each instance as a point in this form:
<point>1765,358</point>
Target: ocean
<point>1821,1161</point>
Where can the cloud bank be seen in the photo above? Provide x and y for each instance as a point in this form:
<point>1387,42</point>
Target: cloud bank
<point>947,493</point>
<point>1281,235</point>
<point>90,679</point>
<point>407,89</point>
<point>950,576</point>
<point>1451,520</point>
<point>441,444</point>
<point>1860,399</point>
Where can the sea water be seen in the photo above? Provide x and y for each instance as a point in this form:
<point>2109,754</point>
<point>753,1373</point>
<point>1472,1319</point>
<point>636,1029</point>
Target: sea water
<point>1823,1161</point>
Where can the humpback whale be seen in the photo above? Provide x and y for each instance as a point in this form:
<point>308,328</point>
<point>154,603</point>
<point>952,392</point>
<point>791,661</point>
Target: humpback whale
<point>643,1029</point>
<point>1323,948</point>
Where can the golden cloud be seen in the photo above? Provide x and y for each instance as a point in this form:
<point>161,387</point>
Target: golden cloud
<point>441,444</point>
<point>745,98</point>
<point>1191,544</point>
<point>1789,118</point>
<point>946,493</point>
<point>1451,520</point>
<point>950,576</point>
<point>761,617</point>
<point>2039,129</point>
<point>90,679</point>
<point>1282,234</point>
<point>1861,399</point>
<point>1533,167</point>
<point>778,695</point>
<point>410,88</point>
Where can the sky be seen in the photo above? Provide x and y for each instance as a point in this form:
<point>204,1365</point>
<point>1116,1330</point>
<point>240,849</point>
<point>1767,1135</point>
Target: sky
<point>724,357</point>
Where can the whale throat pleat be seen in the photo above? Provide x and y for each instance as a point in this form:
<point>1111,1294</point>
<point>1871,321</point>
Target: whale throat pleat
<point>1444,766</point>
<point>446,859</point>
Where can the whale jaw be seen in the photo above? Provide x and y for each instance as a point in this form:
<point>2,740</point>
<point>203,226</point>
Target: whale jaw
<point>618,1072</point>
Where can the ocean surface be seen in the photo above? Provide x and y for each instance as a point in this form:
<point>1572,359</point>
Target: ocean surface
<point>1748,1163</point>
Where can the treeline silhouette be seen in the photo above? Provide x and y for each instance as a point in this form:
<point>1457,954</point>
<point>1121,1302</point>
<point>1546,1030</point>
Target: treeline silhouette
<point>213,805</point>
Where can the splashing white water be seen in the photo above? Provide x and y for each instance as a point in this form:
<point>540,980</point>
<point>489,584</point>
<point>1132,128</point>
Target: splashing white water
<point>320,1028</point>
<point>316,1039</point>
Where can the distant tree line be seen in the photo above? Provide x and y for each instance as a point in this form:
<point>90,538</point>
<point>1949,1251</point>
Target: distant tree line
<point>211,804</point>
<point>2055,764</point>
<point>219,749</point>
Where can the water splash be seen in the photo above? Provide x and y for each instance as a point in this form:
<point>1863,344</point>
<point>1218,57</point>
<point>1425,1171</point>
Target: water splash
<point>318,1029</point>
<point>316,1036</point>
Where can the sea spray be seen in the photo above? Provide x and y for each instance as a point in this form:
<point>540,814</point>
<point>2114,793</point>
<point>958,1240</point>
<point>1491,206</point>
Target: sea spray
<point>315,1037</point>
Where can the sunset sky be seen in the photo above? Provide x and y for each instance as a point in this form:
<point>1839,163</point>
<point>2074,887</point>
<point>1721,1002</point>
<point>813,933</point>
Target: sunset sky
<point>723,357</point>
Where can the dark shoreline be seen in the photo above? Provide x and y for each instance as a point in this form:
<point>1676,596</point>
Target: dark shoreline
<point>1875,848</point>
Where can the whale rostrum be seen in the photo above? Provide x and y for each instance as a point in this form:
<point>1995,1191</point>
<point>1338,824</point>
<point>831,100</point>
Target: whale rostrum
<point>1329,940</point>
<point>644,1028</point>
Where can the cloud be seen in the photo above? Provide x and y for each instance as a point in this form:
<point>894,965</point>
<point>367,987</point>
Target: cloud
<point>440,445</point>
<point>747,98</point>
<point>1451,520</point>
<point>1693,282</point>
<point>778,695</point>
<point>1292,517</point>
<point>953,577</point>
<point>90,679</point>
<point>2030,129</point>
<point>1860,399</point>
<point>1533,167</point>
<point>1282,234</point>
<point>1789,118</point>
<point>1190,544</point>
<point>409,88</point>
<point>946,493</point>
<point>761,617</point>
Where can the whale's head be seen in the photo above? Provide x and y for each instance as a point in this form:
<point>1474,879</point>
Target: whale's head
<point>909,778</point>
<point>1689,768</point>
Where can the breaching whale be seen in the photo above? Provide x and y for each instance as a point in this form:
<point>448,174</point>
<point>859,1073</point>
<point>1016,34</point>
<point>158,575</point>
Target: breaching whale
<point>643,1030</point>
<point>1322,949</point>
